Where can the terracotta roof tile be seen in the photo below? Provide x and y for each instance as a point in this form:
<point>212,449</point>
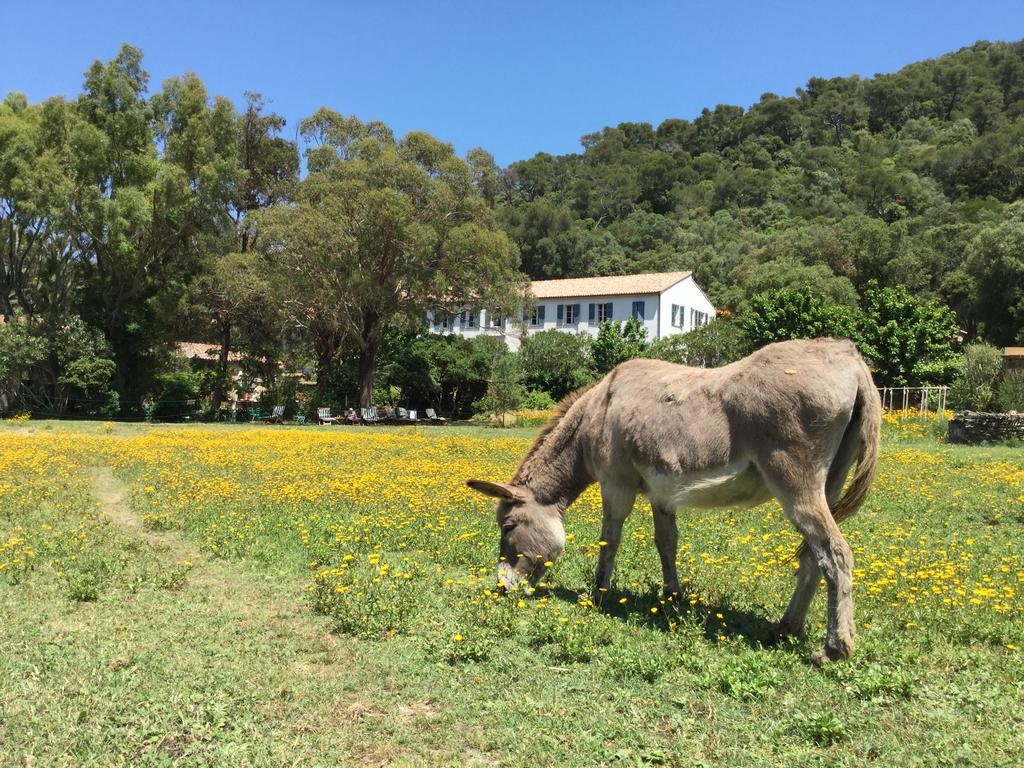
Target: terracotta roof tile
<point>612,285</point>
<point>203,351</point>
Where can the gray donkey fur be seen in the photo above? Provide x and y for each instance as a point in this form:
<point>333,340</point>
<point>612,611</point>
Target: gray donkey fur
<point>788,421</point>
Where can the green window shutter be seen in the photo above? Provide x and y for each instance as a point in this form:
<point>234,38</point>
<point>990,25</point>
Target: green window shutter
<point>638,310</point>
<point>561,312</point>
<point>608,311</point>
<point>576,313</point>
<point>593,314</point>
<point>540,315</point>
<point>462,319</point>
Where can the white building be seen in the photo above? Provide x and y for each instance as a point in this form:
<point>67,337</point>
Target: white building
<point>665,302</point>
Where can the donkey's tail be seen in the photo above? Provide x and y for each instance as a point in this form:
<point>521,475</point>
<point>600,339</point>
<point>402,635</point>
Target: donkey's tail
<point>866,424</point>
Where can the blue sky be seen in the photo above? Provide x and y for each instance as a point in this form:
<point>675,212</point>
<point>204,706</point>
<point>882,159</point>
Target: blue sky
<point>515,78</point>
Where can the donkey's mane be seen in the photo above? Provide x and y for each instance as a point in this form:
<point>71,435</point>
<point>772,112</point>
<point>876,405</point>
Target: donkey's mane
<point>561,409</point>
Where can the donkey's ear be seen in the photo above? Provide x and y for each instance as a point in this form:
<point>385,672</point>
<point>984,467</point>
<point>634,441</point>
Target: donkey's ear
<point>496,490</point>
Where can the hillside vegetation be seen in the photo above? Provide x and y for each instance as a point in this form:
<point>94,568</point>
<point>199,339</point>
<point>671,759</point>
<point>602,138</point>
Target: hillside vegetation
<point>132,219</point>
<point>912,178</point>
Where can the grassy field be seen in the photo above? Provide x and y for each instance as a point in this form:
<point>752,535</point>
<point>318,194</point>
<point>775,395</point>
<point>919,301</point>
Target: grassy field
<point>324,596</point>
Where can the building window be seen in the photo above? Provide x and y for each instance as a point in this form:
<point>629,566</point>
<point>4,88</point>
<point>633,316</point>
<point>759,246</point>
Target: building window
<point>598,313</point>
<point>678,315</point>
<point>698,318</point>
<point>471,320</point>
<point>568,314</point>
<point>537,317</point>
<point>638,310</point>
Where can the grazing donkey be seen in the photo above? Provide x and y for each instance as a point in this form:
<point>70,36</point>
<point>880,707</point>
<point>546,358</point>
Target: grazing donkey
<point>788,421</point>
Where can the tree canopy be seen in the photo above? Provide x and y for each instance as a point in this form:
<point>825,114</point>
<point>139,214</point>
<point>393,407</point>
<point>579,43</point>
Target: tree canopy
<point>889,209</point>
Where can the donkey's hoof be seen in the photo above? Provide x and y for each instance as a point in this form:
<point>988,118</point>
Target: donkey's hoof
<point>785,631</point>
<point>832,653</point>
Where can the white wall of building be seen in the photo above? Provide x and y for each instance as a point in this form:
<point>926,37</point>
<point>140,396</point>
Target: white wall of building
<point>686,295</point>
<point>657,316</point>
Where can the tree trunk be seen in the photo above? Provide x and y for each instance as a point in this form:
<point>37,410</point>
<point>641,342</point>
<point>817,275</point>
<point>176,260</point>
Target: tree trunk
<point>328,350</point>
<point>368,358</point>
<point>222,367</point>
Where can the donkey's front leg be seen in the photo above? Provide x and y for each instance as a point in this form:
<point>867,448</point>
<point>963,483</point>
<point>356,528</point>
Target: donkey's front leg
<point>617,503</point>
<point>666,538</point>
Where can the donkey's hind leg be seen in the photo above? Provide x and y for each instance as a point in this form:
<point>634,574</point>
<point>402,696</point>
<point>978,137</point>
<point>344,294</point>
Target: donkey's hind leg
<point>795,617</point>
<point>812,517</point>
<point>666,539</point>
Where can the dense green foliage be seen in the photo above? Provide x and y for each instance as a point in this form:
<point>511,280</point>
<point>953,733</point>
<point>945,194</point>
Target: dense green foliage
<point>132,219</point>
<point>909,179</point>
<point>617,342</point>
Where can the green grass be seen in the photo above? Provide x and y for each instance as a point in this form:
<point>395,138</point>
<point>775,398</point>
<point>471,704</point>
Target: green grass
<point>215,634</point>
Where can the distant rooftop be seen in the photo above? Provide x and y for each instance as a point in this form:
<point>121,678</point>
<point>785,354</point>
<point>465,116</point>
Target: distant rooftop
<point>612,285</point>
<point>202,351</point>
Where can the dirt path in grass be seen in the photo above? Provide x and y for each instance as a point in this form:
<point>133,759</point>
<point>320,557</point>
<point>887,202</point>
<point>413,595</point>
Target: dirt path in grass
<point>223,583</point>
<point>110,493</point>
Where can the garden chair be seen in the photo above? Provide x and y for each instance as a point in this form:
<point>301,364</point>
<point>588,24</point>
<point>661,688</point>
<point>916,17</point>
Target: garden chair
<point>324,416</point>
<point>300,418</point>
<point>369,415</point>
<point>276,416</point>
<point>434,418</point>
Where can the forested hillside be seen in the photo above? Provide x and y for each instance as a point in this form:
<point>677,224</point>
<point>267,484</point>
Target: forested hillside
<point>912,178</point>
<point>131,219</point>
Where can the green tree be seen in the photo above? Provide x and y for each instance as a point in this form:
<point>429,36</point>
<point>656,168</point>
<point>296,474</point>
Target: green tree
<point>505,391</point>
<point>19,351</point>
<point>718,343</point>
<point>909,341</point>
<point>388,230</point>
<point>617,342</point>
<point>234,293</point>
<point>995,261</point>
<point>796,314</point>
<point>557,362</point>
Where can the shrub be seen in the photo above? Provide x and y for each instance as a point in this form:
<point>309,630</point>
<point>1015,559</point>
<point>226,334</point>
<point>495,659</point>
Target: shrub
<point>718,343</point>
<point>618,342</point>
<point>505,390</point>
<point>178,394</point>
<point>538,400</point>
<point>973,388</point>
<point>1010,394</point>
<point>557,362</point>
<point>282,392</point>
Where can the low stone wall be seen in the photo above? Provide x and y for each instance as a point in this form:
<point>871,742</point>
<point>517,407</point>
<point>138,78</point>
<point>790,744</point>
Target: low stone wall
<point>972,427</point>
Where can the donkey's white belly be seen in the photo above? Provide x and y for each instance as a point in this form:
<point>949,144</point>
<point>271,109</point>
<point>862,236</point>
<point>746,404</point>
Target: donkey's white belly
<point>735,484</point>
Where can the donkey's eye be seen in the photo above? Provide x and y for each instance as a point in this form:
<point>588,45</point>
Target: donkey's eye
<point>509,527</point>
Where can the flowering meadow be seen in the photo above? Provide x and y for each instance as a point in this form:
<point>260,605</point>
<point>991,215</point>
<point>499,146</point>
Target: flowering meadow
<point>372,540</point>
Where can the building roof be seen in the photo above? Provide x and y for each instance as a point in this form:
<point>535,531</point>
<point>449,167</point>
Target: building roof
<point>202,351</point>
<point>1013,352</point>
<point>612,285</point>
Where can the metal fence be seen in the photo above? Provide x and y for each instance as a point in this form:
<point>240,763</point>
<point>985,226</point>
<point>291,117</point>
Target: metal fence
<point>923,401</point>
